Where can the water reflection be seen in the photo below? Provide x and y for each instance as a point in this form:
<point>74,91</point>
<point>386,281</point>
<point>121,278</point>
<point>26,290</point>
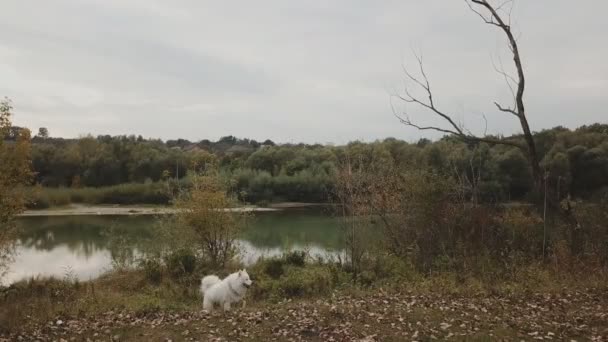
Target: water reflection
<point>87,245</point>
<point>58,262</point>
<point>292,228</point>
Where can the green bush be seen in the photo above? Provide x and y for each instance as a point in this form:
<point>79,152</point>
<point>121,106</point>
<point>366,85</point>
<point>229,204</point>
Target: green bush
<point>181,262</point>
<point>152,268</point>
<point>43,198</point>
<point>274,268</point>
<point>260,186</point>
<point>307,281</point>
<point>278,278</point>
<point>263,203</point>
<point>295,258</point>
<point>38,201</point>
<point>391,267</point>
<point>367,277</point>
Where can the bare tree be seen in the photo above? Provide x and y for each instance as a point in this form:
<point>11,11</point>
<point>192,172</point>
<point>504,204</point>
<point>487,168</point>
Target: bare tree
<point>352,193</point>
<point>499,16</point>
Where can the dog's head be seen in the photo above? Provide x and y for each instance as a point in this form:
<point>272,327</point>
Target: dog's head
<point>244,278</point>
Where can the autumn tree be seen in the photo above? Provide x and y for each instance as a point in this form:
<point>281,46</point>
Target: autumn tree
<point>15,172</point>
<point>208,217</point>
<point>352,195</point>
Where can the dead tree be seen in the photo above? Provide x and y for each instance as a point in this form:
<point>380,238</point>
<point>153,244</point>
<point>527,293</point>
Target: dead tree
<point>494,15</point>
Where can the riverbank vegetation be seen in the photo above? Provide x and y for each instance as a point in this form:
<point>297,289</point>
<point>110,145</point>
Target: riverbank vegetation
<point>436,246</point>
<point>129,169</point>
<point>435,205</point>
<point>450,259</point>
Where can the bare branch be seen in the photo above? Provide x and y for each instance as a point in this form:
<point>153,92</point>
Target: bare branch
<point>493,141</point>
<point>409,98</point>
<point>499,7</point>
<point>426,79</point>
<point>509,14</point>
<point>490,15</point>
<point>506,110</point>
<point>405,119</point>
<point>411,77</point>
<point>466,136</point>
<point>485,121</point>
<point>456,130</point>
<point>508,78</point>
<point>483,17</point>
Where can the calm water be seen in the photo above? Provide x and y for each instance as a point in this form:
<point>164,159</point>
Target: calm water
<point>86,245</point>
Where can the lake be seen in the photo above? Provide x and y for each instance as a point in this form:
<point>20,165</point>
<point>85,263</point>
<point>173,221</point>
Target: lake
<point>85,246</point>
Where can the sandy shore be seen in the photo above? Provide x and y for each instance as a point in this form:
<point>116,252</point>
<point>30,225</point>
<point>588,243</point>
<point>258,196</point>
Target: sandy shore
<point>293,205</point>
<point>119,210</point>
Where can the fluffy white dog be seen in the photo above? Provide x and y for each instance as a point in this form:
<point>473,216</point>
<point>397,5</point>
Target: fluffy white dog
<point>224,292</point>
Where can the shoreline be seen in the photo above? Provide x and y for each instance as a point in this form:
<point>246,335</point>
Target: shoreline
<point>146,209</point>
<point>133,210</point>
<point>119,211</point>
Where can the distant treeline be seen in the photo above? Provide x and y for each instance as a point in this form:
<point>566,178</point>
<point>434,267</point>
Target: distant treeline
<point>576,162</point>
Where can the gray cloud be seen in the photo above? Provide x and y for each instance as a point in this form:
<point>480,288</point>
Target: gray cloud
<point>312,71</point>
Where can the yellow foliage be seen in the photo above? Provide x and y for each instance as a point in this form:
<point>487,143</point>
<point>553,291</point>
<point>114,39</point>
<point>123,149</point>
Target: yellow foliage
<point>15,166</point>
<point>206,213</point>
<point>15,172</point>
<point>521,221</point>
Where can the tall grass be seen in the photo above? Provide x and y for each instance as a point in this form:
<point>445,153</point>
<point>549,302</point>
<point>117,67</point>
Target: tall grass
<point>131,193</point>
<point>252,186</point>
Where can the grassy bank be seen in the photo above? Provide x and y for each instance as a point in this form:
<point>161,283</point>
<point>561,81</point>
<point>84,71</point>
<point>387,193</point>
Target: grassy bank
<point>132,193</point>
<point>311,301</point>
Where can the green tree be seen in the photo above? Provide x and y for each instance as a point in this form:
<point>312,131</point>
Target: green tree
<point>43,132</point>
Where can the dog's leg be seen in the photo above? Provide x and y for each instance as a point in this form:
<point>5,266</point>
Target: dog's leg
<point>207,305</point>
<point>244,303</point>
<point>226,306</point>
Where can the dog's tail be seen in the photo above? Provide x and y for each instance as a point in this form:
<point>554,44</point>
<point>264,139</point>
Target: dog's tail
<point>207,282</point>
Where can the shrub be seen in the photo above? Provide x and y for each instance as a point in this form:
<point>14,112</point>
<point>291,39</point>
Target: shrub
<point>289,276</point>
<point>131,193</point>
<point>263,203</point>
<point>367,277</point>
<point>181,262</point>
<point>307,281</point>
<point>202,217</point>
<point>273,268</point>
<point>152,268</point>
<point>43,198</point>
<point>295,258</point>
<point>261,186</point>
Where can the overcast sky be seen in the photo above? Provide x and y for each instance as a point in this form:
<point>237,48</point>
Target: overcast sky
<point>291,71</point>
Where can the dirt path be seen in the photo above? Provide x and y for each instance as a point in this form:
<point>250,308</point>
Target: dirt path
<point>570,315</point>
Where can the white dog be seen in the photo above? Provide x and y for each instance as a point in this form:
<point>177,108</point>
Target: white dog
<point>224,292</point>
